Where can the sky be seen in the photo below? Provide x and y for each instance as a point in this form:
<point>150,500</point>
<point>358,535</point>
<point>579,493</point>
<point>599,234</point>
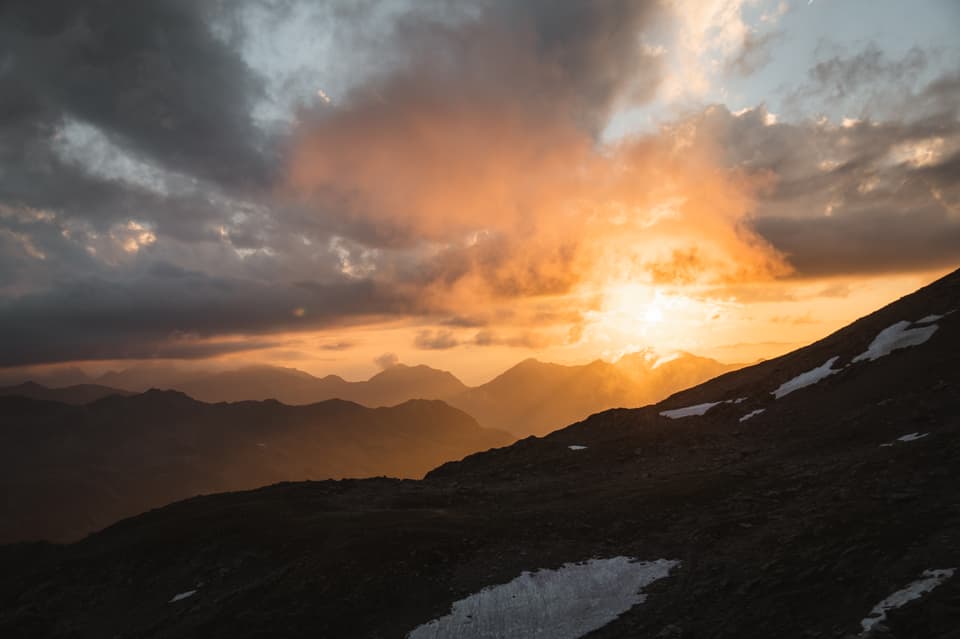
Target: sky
<point>337,186</point>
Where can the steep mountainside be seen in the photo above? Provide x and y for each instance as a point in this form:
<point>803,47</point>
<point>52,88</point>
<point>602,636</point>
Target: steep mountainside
<point>831,513</point>
<point>68,470</point>
<point>810,496</point>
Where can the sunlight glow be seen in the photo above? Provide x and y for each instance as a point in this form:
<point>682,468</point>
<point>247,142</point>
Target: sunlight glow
<point>633,314</point>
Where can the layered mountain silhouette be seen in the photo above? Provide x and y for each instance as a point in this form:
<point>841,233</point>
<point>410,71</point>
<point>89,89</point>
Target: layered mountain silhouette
<point>531,398</point>
<point>534,398</point>
<point>291,386</point>
<point>813,495</point>
<point>76,394</point>
<point>68,470</point>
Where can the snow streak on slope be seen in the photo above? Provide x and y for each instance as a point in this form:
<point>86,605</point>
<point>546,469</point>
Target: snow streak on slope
<point>929,580</point>
<point>182,595</point>
<point>894,337</point>
<point>752,413</point>
<point>566,603</point>
<point>698,409</point>
<point>687,411</point>
<point>910,437</point>
<point>808,378</point>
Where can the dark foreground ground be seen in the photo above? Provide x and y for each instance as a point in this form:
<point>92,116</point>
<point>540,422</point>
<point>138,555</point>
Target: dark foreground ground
<point>794,523</point>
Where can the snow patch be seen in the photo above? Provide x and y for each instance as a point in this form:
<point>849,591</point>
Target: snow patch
<point>577,447</point>
<point>929,319</point>
<point>566,603</point>
<point>911,437</point>
<point>687,411</point>
<point>182,595</point>
<point>698,409</point>
<point>752,413</point>
<point>895,337</point>
<point>929,580</point>
<point>808,378</point>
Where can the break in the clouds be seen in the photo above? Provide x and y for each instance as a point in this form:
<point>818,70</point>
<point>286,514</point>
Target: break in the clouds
<point>186,179</point>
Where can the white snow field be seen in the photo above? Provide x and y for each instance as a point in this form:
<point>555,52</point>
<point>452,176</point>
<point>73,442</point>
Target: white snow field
<point>929,580</point>
<point>808,378</point>
<point>688,411</point>
<point>929,319</point>
<point>182,595</point>
<point>910,437</point>
<point>576,447</point>
<point>895,337</point>
<point>752,413</point>
<point>566,603</point>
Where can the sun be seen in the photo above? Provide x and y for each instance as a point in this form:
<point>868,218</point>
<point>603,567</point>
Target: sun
<point>636,315</point>
<point>653,314</point>
<point>630,305</point>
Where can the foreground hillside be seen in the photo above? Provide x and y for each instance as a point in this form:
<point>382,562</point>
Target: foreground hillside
<point>810,496</point>
<point>68,470</point>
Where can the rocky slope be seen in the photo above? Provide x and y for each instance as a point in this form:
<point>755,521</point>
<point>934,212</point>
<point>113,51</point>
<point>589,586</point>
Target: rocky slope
<point>831,513</point>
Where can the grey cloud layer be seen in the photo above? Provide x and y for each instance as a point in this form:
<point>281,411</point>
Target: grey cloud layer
<point>164,85</point>
<point>180,171</point>
<point>866,196</point>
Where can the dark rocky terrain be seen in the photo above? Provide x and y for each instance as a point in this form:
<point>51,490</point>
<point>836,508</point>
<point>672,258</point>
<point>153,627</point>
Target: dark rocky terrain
<point>792,523</point>
<point>68,470</point>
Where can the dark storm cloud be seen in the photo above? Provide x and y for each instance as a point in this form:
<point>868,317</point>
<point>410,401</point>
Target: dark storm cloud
<point>122,120</point>
<point>865,197</point>
<point>169,312</point>
<point>871,241</point>
<point>150,74</point>
<point>153,85</point>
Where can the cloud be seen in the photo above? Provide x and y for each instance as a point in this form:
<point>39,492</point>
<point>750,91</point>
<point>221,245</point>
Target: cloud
<point>438,340</point>
<point>456,175</point>
<point>526,339</point>
<point>168,312</point>
<point>866,84</point>
<point>483,167</point>
<point>861,197</point>
<point>336,346</point>
<point>153,75</point>
<point>387,360</point>
<point>755,52</point>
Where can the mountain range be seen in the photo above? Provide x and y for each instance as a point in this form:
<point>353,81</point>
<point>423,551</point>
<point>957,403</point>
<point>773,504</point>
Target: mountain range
<point>76,394</point>
<point>531,398</point>
<point>69,470</point>
<point>813,495</point>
